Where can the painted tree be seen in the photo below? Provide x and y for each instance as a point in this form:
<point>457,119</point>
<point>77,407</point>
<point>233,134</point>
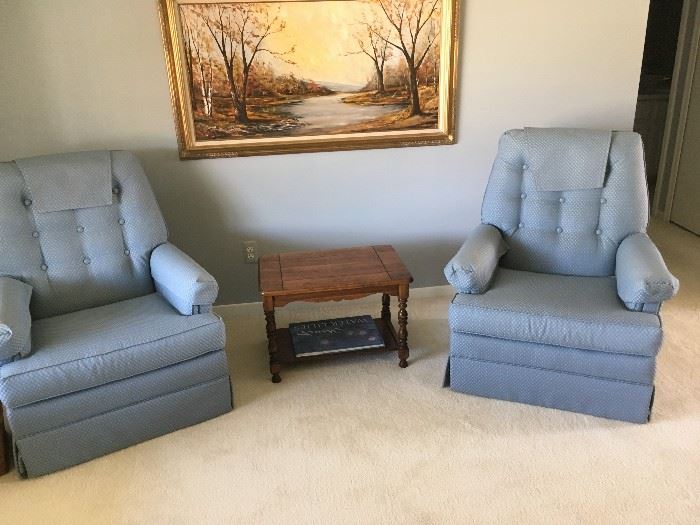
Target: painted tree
<point>375,47</point>
<point>239,32</point>
<point>198,47</point>
<point>408,19</point>
<point>189,55</point>
<point>206,78</point>
<point>262,80</point>
<point>429,72</point>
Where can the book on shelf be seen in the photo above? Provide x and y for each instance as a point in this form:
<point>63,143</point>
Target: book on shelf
<point>335,335</point>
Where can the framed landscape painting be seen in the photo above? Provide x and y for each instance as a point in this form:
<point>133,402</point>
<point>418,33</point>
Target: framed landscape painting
<point>262,77</point>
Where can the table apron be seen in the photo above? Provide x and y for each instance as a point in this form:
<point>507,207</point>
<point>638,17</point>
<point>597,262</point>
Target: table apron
<point>336,295</point>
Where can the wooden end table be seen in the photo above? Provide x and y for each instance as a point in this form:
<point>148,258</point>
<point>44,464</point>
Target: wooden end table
<point>333,275</point>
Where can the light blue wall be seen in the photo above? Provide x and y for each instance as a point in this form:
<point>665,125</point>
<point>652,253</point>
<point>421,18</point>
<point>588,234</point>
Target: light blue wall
<point>81,74</point>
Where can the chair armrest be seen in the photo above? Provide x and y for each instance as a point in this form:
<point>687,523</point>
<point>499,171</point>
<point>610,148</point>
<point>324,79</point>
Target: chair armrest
<point>643,281</point>
<point>471,269</point>
<point>188,287</point>
<point>15,319</point>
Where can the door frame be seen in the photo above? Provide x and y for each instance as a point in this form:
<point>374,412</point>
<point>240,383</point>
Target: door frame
<point>677,115</point>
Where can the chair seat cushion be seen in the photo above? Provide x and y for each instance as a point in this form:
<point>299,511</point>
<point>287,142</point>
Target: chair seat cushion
<point>93,347</point>
<point>566,311</point>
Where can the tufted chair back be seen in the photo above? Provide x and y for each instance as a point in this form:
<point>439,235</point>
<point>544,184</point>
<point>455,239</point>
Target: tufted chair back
<point>79,228</point>
<point>569,231</point>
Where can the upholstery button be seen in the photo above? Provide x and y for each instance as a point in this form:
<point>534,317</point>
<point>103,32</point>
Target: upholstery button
<point>35,234</point>
<point>27,202</point>
<point>80,229</point>
<point>525,167</point>
<point>603,200</point>
<point>127,252</point>
<point>598,232</point>
<point>559,230</point>
<point>521,225</point>
<point>562,200</point>
<point>523,195</point>
<point>86,260</point>
<point>44,267</point>
<point>115,190</point>
<point>121,221</point>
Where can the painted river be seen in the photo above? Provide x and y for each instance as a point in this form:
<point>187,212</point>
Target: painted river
<point>319,114</point>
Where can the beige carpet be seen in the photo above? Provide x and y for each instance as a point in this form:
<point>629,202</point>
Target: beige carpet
<point>358,440</point>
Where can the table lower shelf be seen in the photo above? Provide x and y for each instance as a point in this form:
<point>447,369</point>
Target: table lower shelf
<point>285,348</point>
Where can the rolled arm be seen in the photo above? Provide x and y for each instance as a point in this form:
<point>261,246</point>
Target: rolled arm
<point>15,319</point>
<point>643,280</point>
<point>188,287</point>
<point>471,269</point>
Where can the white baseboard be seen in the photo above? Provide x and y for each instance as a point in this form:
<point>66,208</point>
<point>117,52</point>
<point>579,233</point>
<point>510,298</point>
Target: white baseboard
<point>244,309</point>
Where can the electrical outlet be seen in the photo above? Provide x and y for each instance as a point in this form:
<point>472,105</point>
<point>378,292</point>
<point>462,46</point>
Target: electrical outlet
<point>250,252</point>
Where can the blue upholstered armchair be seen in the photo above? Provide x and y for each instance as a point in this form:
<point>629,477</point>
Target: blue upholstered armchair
<point>106,332</point>
<point>559,288</point>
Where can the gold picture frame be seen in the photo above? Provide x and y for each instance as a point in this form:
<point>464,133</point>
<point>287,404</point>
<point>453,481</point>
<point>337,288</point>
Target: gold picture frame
<point>229,101</point>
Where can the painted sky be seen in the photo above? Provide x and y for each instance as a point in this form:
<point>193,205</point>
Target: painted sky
<point>324,37</point>
<point>323,33</point>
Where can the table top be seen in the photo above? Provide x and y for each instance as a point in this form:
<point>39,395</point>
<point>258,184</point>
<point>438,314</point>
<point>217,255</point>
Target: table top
<point>326,270</point>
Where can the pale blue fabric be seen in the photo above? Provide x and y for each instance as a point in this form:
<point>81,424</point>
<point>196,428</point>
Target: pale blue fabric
<point>606,365</point>
<point>112,362</point>
<point>54,412</point>
<point>566,232</point>
<point>562,159</point>
<point>642,276</point>
<point>85,439</point>
<point>69,181</point>
<point>76,259</point>
<point>471,269</point>
<point>570,319</point>
<point>15,320</point>
<point>94,347</point>
<point>184,283</point>
<point>575,312</point>
<point>612,399</point>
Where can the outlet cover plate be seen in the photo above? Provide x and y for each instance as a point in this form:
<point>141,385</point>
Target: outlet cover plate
<point>250,252</point>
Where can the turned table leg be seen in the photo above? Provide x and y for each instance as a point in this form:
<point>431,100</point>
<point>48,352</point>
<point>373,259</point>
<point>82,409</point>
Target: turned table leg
<point>386,307</point>
<point>270,326</point>
<point>403,321</point>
